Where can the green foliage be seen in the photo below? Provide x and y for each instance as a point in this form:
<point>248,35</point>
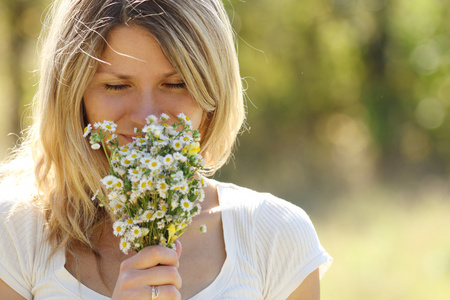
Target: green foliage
<point>388,244</point>
<point>343,95</point>
<point>348,92</point>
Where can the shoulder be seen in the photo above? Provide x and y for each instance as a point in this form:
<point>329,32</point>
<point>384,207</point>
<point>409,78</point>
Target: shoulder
<point>21,229</point>
<point>262,207</point>
<point>269,221</point>
<point>21,218</point>
<point>17,201</point>
<point>280,238</point>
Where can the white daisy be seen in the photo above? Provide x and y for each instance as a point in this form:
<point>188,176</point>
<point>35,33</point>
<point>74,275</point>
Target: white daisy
<point>164,117</point>
<point>179,156</point>
<point>109,181</point>
<point>162,186</point>
<point>119,206</point>
<point>154,164</point>
<point>187,138</point>
<point>124,150</point>
<point>133,155</point>
<point>111,138</point>
<point>135,174</point>
<point>168,160</point>
<point>108,126</point>
<point>157,133</point>
<point>124,245</point>
<point>160,214</point>
<point>140,141</point>
<point>145,160</point>
<point>186,205</point>
<point>148,215</point>
<point>184,187</point>
<point>143,185</point>
<point>201,196</point>
<point>125,161</point>
<point>87,130</point>
<point>119,228</point>
<point>136,232</point>
<point>151,205</point>
<point>172,132</point>
<point>163,207</point>
<point>177,144</point>
<point>151,119</point>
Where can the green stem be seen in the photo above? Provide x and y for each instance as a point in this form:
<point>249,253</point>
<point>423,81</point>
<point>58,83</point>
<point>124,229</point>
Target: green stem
<point>106,152</point>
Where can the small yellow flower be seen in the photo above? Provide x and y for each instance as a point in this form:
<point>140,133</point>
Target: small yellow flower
<point>171,229</point>
<point>193,148</point>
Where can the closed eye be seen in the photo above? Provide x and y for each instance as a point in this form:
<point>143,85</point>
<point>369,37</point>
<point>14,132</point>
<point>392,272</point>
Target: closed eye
<point>114,87</point>
<point>181,85</point>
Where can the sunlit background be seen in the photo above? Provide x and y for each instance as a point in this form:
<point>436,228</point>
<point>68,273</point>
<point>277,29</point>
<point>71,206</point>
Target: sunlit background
<point>348,108</point>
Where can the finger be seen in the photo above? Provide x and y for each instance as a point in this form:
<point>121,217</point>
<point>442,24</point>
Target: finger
<point>160,275</point>
<point>155,276</point>
<point>149,257</point>
<point>178,248</point>
<point>165,292</point>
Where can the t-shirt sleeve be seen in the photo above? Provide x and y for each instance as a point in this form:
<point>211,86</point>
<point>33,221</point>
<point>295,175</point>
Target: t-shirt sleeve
<point>18,242</point>
<point>288,248</point>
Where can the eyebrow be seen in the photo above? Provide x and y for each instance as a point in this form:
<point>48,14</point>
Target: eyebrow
<point>127,77</point>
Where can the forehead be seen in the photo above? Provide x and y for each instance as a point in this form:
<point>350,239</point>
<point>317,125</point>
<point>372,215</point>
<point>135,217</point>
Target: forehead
<point>134,48</point>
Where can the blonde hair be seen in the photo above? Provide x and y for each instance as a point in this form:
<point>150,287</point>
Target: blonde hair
<point>196,37</point>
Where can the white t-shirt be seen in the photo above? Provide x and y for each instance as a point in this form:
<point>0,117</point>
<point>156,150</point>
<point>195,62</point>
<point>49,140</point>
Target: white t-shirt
<point>271,247</point>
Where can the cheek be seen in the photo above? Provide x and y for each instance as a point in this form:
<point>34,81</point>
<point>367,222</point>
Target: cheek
<point>99,108</point>
<point>94,113</point>
<point>194,112</point>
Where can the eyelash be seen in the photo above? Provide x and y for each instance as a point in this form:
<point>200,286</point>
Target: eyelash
<point>115,87</point>
<point>119,87</point>
<point>181,85</point>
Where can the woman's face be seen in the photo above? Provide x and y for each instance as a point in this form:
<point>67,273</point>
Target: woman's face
<point>136,80</point>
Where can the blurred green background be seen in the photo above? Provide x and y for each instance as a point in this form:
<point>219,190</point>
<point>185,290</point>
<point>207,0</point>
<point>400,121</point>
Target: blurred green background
<point>348,104</point>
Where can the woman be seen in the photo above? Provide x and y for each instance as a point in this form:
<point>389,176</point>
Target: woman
<point>123,60</point>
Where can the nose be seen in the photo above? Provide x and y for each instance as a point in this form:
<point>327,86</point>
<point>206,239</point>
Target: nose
<point>142,106</point>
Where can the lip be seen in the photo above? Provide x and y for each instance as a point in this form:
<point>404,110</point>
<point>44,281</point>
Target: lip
<point>128,137</point>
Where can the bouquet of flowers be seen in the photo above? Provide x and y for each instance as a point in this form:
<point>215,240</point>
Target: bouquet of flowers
<point>153,181</point>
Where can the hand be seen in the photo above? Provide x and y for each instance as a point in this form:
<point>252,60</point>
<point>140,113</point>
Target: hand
<point>152,266</point>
